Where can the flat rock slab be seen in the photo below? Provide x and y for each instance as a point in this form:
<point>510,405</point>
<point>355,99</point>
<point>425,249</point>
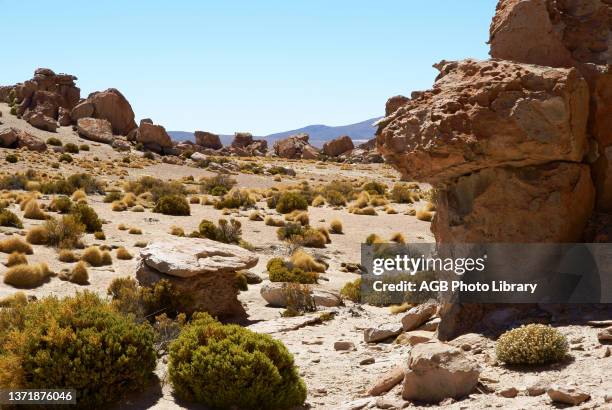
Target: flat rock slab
<point>285,324</point>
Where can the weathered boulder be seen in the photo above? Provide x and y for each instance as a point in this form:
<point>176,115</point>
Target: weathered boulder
<point>244,145</point>
<point>552,33</point>
<point>276,294</point>
<point>415,337</point>
<point>83,109</point>
<point>95,129</point>
<point>121,145</point>
<point>153,136</point>
<point>63,117</point>
<point>40,121</point>
<point>242,140</point>
<point>418,315</point>
<point>483,114</point>
<point>111,105</point>
<point>381,332</point>
<point>567,395</point>
<point>202,270</point>
<point>338,146</point>
<point>394,103</point>
<point>295,147</point>
<point>436,371</point>
<point>493,204</point>
<point>208,140</point>
<point>386,381</point>
<point>15,138</point>
<point>602,170</point>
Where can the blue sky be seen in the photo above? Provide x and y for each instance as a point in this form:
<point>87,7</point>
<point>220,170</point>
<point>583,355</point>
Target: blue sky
<point>258,66</point>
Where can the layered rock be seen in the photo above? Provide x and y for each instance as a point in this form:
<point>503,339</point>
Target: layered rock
<point>296,147</point>
<point>208,140</point>
<point>109,105</point>
<point>95,129</point>
<point>202,270</point>
<point>338,146</point>
<point>15,138</point>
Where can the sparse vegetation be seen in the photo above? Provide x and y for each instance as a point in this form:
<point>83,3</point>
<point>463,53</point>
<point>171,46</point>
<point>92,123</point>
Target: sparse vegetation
<point>352,290</point>
<point>27,276</point>
<point>16,258</point>
<point>9,219</point>
<point>280,271</point>
<point>172,205</point>
<point>531,344</point>
<point>123,254</point>
<point>291,201</point>
<point>96,257</point>
<point>234,199</point>
<point>335,226</point>
<point>78,274</point>
<point>225,231</point>
<point>15,244</point>
<point>88,217</point>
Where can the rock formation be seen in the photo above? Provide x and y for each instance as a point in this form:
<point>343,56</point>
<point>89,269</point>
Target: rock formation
<point>16,138</point>
<point>244,145</point>
<point>202,270</point>
<point>506,141</point>
<point>40,99</point>
<point>109,105</point>
<point>338,146</point>
<point>152,137</point>
<point>296,147</point>
<point>95,129</point>
<point>208,140</point>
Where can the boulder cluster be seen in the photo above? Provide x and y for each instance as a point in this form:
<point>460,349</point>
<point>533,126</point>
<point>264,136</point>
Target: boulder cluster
<point>519,147</point>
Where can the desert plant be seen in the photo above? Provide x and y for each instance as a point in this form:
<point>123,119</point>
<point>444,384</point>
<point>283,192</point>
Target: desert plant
<point>54,141</point>
<point>236,198</point>
<point>38,235</point>
<point>78,274</point>
<point>206,349</point>
<point>298,216</point>
<point>84,147</point>
<point>71,148</point>
<point>16,258</point>
<point>335,226</point>
<point>15,244</point>
<point>352,290</point>
<point>172,205</point>
<point>79,195</point>
<point>255,216</point>
<point>27,276</point>
<point>271,221</point>
<point>65,232</point>
<point>217,185</point>
<point>373,239</point>
<point>531,344</point>
<point>124,254</point>
<point>290,201</point>
<point>65,158</point>
<point>225,231</point>
<point>78,342</point>
<point>61,204</point>
<point>135,231</point>
<point>403,193</point>
<point>374,187</point>
<point>301,259</point>
<point>8,218</point>
<point>319,200</point>
<point>398,238</point>
<point>425,215</point>
<point>118,206</point>
<point>100,235</point>
<point>88,217</point>
<point>112,196</point>
<point>32,211</point>
<point>11,158</point>
<point>368,210</point>
<point>280,271</point>
<point>96,257</point>
<point>66,255</point>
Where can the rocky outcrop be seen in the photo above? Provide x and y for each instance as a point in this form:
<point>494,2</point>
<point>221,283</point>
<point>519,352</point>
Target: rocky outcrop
<point>552,33</point>
<point>208,140</point>
<point>338,146</point>
<point>436,371</point>
<point>153,137</point>
<point>15,138</point>
<point>296,147</point>
<point>244,145</point>
<point>202,270</point>
<point>109,105</point>
<point>95,129</point>
<point>39,100</point>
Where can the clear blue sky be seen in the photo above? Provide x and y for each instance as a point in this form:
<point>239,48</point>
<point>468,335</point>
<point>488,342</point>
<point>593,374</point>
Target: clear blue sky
<point>259,66</point>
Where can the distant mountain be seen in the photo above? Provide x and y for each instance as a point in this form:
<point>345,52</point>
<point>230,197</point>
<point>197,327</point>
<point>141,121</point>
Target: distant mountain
<point>319,134</point>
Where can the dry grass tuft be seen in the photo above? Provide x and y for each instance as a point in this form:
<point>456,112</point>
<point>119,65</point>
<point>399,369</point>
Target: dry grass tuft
<point>16,258</point>
<point>398,238</point>
<point>79,195</point>
<point>335,226</point>
<point>135,231</point>
<point>306,262</point>
<point>271,221</point>
<point>255,216</point>
<point>32,211</point>
<point>66,255</point>
<point>425,215</point>
<point>14,244</point>
<point>318,201</point>
<point>396,309</point>
<point>95,257</point>
<point>119,206</point>
<point>177,231</point>
<point>27,276</point>
<point>123,254</point>
<point>77,275</point>
<point>298,216</point>
<point>38,235</point>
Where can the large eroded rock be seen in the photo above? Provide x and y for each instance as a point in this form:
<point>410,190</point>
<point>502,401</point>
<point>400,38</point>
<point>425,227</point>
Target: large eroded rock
<point>202,270</point>
<point>153,137</point>
<point>95,129</point>
<point>552,33</point>
<point>296,147</point>
<point>111,105</point>
<point>208,140</point>
<point>15,138</point>
<point>483,114</point>
<point>437,371</point>
<point>338,146</point>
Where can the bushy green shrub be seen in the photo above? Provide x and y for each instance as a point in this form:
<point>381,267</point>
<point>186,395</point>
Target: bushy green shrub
<point>61,204</point>
<point>280,271</point>
<point>112,196</point>
<point>173,205</point>
<point>217,185</point>
<point>374,187</point>
<point>226,366</point>
<point>12,158</point>
<point>54,141</point>
<point>290,201</point>
<point>531,344</point>
<point>352,290</point>
<point>8,218</point>
<point>226,231</point>
<point>71,148</point>
<point>88,217</point>
<point>65,158</point>
<point>78,343</point>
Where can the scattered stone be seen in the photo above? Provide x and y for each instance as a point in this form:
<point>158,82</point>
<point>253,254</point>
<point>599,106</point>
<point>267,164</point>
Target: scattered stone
<point>386,381</point>
<point>436,371</point>
<point>418,315</point>
<point>431,325</point>
<point>469,341</point>
<point>381,332</point>
<point>356,404</point>
<point>509,392</point>
<point>344,345</point>
<point>414,337</point>
<point>567,395</point>
<point>285,324</point>
<point>367,361</point>
<point>605,335</point>
<point>252,278</point>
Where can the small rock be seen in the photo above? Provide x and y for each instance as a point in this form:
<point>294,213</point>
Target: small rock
<point>567,395</point>
<point>386,381</point>
<point>356,404</point>
<point>509,393</point>
<point>367,360</point>
<point>605,335</point>
<point>606,352</point>
<point>344,345</point>
<point>382,332</point>
<point>414,338</point>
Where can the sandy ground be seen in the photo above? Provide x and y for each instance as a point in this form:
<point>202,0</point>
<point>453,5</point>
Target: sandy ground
<point>333,378</point>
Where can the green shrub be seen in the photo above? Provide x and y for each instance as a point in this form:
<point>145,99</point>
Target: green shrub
<point>300,235</point>
<point>8,218</point>
<point>12,158</point>
<point>54,141</point>
<point>173,205</point>
<point>84,147</point>
<point>226,231</point>
<point>373,187</point>
<point>65,158</point>
<point>71,148</point>
<point>79,343</point>
<point>61,204</point>
<point>147,301</point>
<point>14,182</point>
<point>225,366</point>
<point>290,201</point>
<point>236,198</point>
<point>218,185</point>
<point>531,344</point>
<point>352,290</point>
<point>280,271</point>
<point>157,187</point>
<point>88,217</point>
<point>64,233</point>
<point>113,196</point>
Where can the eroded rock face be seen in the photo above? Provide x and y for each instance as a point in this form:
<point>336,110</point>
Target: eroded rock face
<point>483,114</point>
<point>493,204</point>
<point>95,129</point>
<point>15,138</point>
<point>112,106</point>
<point>436,371</point>
<point>201,269</point>
<point>552,33</point>
<point>244,145</point>
<point>208,140</point>
<point>338,146</point>
<point>154,137</point>
<point>295,147</point>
